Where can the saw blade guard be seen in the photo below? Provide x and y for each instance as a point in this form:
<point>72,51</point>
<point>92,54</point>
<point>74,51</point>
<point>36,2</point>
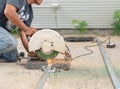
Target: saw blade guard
<point>47,42</point>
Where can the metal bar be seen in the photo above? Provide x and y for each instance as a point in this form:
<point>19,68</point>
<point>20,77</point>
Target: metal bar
<point>43,78</point>
<point>114,79</point>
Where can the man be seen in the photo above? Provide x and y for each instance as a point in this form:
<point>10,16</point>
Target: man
<point>15,13</point>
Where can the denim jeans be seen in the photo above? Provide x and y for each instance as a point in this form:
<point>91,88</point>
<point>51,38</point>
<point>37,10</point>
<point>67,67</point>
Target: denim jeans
<point>8,46</point>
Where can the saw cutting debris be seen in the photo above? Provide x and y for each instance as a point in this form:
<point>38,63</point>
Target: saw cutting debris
<point>47,44</point>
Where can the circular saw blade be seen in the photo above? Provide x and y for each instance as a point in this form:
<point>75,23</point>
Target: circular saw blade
<point>50,36</point>
<point>47,43</point>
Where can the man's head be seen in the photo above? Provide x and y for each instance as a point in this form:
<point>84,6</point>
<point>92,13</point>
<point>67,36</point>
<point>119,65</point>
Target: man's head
<point>38,2</point>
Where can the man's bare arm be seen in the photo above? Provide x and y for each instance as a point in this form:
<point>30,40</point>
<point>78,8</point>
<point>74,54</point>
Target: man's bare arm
<point>24,40</point>
<point>12,15</point>
<point>25,43</point>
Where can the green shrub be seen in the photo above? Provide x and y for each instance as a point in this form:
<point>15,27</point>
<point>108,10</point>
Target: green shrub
<point>15,31</point>
<point>116,22</point>
<point>80,26</point>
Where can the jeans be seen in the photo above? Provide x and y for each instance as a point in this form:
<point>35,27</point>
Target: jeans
<point>8,46</point>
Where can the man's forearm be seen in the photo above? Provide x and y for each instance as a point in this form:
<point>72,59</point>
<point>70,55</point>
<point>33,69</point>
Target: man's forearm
<point>24,40</point>
<point>11,14</point>
<point>25,44</point>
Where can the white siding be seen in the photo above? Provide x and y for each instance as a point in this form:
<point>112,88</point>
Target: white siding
<point>97,13</point>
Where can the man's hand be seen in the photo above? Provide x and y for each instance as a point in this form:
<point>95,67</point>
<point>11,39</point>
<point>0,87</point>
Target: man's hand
<point>32,54</point>
<point>30,31</point>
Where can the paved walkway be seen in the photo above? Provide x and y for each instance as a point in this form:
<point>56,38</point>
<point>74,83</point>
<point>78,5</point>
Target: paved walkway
<point>87,72</point>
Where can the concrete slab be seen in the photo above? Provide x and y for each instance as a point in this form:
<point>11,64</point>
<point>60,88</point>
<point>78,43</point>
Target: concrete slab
<point>87,72</point>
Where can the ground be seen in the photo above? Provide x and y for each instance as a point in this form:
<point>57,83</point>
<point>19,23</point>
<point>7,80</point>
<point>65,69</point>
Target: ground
<point>87,72</point>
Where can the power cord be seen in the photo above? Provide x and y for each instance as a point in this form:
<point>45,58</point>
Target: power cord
<point>90,51</point>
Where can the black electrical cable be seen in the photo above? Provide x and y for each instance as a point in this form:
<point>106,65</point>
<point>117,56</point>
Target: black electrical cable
<point>90,51</point>
<point>86,47</point>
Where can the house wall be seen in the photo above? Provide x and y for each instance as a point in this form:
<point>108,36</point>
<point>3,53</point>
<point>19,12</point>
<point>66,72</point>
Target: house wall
<point>97,13</point>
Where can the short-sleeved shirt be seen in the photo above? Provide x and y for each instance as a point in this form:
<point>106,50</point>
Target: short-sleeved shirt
<point>24,11</point>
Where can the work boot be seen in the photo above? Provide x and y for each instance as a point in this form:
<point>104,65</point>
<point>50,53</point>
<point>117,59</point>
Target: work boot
<point>11,56</point>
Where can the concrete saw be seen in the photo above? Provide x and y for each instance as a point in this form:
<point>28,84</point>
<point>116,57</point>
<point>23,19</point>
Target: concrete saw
<point>47,44</point>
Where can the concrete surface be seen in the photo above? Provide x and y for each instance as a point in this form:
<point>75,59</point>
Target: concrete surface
<point>87,72</point>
